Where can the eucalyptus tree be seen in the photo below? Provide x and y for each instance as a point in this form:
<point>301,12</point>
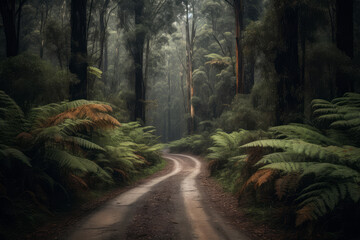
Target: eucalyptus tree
<point>238,6</point>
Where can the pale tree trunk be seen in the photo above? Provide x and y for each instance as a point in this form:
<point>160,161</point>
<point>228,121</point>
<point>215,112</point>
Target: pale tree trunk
<point>169,109</point>
<point>190,38</point>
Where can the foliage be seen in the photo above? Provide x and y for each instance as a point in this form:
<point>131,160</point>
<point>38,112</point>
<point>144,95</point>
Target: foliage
<point>61,149</point>
<point>31,81</point>
<point>196,144</point>
<point>308,169</point>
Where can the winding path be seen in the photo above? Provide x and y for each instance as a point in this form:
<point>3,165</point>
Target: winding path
<point>167,207</point>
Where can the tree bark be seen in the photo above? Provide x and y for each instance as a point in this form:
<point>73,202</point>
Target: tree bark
<point>344,41</point>
<point>78,61</point>
<point>103,37</point>
<point>138,53</point>
<point>239,16</point>
<point>290,88</point>
<point>190,37</point>
<point>169,109</point>
<point>7,9</point>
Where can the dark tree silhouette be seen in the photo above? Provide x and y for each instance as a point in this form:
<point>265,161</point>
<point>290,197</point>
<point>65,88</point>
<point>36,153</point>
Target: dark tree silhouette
<point>78,61</point>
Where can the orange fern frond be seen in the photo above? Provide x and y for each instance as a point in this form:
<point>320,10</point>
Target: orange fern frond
<point>304,214</point>
<point>286,184</point>
<point>98,113</point>
<point>122,173</point>
<point>260,177</point>
<point>75,180</point>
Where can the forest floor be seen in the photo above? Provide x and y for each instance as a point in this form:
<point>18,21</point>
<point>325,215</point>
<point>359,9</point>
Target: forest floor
<point>179,202</point>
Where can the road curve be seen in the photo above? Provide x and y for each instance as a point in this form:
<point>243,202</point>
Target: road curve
<point>167,207</point>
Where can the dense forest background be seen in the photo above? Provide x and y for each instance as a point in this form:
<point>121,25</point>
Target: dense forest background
<point>75,76</point>
<point>191,68</point>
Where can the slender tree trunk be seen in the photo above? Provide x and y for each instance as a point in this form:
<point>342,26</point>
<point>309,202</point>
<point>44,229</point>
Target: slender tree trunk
<point>147,55</point>
<point>169,108</point>
<point>138,52</point>
<point>189,51</point>
<point>103,38</point>
<point>239,15</point>
<point>7,9</point>
<point>78,61</point>
<point>344,41</point>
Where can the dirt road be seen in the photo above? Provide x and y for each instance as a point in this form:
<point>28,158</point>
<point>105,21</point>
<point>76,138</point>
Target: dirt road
<point>172,206</point>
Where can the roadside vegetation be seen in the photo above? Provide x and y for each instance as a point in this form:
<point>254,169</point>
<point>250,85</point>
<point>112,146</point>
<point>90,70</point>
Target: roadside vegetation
<point>305,176</point>
<point>58,153</point>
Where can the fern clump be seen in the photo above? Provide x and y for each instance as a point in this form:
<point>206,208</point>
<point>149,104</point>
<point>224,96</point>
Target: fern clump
<point>196,144</point>
<point>341,114</point>
<point>313,170</point>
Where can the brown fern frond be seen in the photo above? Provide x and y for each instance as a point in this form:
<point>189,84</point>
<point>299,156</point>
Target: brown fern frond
<point>304,214</point>
<point>260,177</point>
<point>122,173</point>
<point>98,113</point>
<point>286,185</point>
<point>75,180</point>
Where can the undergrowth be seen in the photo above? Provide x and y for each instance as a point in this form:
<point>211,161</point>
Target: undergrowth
<point>306,176</point>
<point>58,152</point>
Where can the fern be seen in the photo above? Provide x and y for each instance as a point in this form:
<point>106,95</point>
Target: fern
<point>295,146</point>
<point>302,132</point>
<point>78,165</point>
<point>11,119</point>
<point>10,156</point>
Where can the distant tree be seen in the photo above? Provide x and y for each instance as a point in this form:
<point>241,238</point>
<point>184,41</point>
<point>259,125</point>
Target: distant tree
<point>142,19</point>
<point>344,41</point>
<point>9,12</point>
<point>78,60</point>
<point>290,87</point>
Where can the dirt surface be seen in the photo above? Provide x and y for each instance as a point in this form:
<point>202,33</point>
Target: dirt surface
<point>60,225</point>
<point>179,202</point>
<point>226,205</point>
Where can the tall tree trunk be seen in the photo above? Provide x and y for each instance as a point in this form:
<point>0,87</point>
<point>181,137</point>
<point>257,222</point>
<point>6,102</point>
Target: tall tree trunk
<point>344,41</point>
<point>239,16</point>
<point>290,87</point>
<point>169,109</point>
<point>189,76</point>
<point>78,61</point>
<point>147,55</point>
<point>138,52</point>
<point>103,37</point>
<point>7,9</point>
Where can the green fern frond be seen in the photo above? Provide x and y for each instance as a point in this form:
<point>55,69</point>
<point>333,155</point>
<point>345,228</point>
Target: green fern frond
<point>304,133</point>
<point>280,157</point>
<point>76,165</point>
<point>296,146</point>
<point>345,124</point>
<point>9,154</point>
<point>289,167</point>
